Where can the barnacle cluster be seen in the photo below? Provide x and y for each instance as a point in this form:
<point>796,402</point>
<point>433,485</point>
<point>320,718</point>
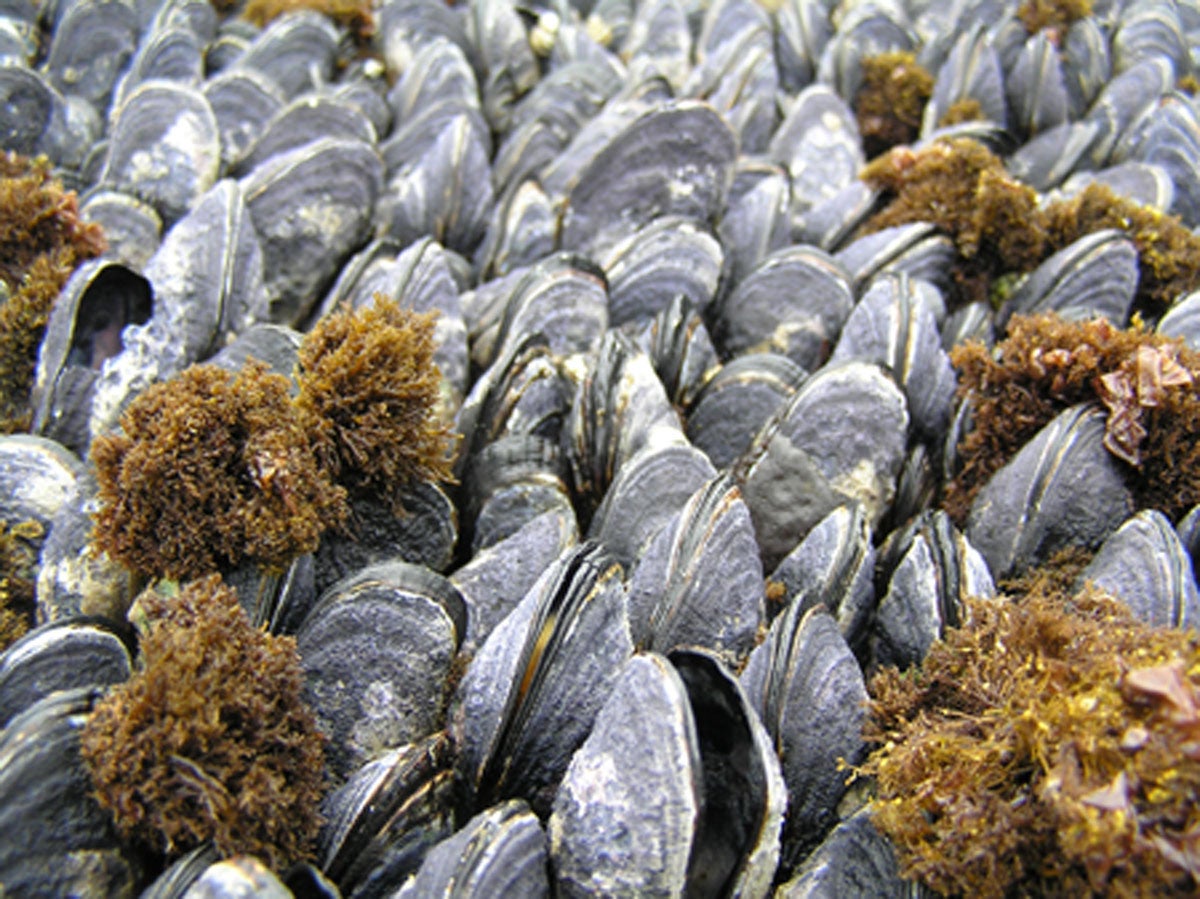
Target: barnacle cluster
<point>42,239</point>
<point>209,740</point>
<point>1045,365</point>
<point>212,469</point>
<point>368,388</point>
<point>18,565</point>
<point>1050,746</point>
<point>894,91</point>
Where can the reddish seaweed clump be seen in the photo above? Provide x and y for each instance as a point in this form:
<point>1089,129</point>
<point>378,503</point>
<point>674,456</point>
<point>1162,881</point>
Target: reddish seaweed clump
<point>210,470</point>
<point>1045,365</point>
<point>1049,747</point>
<point>353,15</point>
<point>210,739</point>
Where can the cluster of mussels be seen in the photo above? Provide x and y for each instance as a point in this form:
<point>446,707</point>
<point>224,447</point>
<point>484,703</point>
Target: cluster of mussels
<point>741,421</point>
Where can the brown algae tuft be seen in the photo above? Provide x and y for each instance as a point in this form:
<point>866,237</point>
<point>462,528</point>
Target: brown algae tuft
<point>1055,15</point>
<point>210,739</point>
<point>210,470</point>
<point>895,89</point>
<point>355,16</point>
<point>42,239</point>
<point>369,392</point>
<point>18,569</point>
<point>1049,747</point>
<point>1146,382</point>
<point>963,188</point>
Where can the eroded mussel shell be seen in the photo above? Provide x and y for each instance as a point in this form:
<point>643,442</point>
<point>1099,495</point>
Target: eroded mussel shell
<point>841,437</point>
<point>376,650</point>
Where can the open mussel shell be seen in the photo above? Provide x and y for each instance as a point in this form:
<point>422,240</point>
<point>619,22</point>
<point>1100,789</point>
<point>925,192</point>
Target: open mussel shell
<point>930,568</point>
<point>833,566</point>
<point>81,652</point>
<point>533,689</point>
<point>895,324</point>
<point>854,860</point>
<point>841,437</point>
<point>737,401</point>
<point>500,852</point>
<point>809,692</point>
<point>680,766</point>
<point>674,160</point>
<point>57,839</point>
<point>793,303</point>
<point>1146,566</point>
<point>380,824</point>
<point>85,334</point>
<point>1062,489</point>
<point>648,490</point>
<point>376,650</point>
<point>1096,275</point>
<point>699,581</point>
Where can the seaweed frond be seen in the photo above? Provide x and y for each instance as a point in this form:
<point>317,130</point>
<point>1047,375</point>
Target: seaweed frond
<point>18,570</point>
<point>1050,746</point>
<point>42,239</point>
<point>889,104</point>
<point>1168,252</point>
<point>211,470</point>
<point>963,188</point>
<point>369,393</point>
<point>210,739</point>
<point>1146,382</point>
